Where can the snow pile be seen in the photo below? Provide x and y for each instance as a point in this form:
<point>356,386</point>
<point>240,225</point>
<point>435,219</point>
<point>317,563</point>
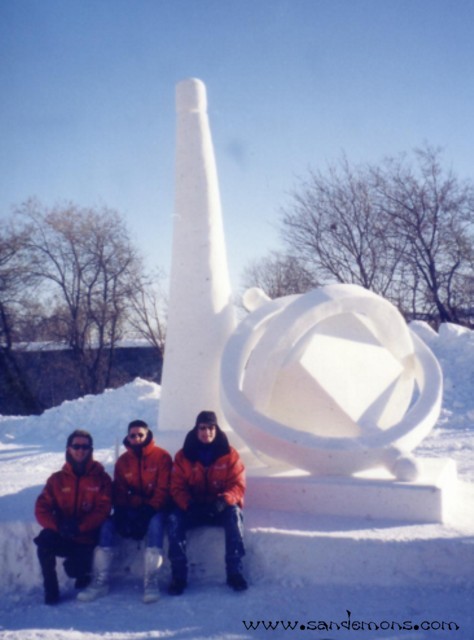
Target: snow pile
<point>452,437</point>
<point>105,416</point>
<point>301,568</point>
<point>454,348</point>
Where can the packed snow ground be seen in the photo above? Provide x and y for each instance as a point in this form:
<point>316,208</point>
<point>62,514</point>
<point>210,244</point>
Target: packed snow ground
<point>284,550</point>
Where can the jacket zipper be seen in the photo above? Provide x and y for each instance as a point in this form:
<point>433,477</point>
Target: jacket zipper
<point>140,474</point>
<point>76,500</point>
<point>206,479</point>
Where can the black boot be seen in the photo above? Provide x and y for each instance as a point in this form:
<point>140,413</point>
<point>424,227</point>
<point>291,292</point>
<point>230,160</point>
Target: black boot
<point>179,579</point>
<point>237,582</point>
<point>47,561</point>
<point>235,579</point>
<point>177,586</point>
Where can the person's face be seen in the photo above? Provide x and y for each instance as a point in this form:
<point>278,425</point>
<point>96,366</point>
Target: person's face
<point>137,435</point>
<point>79,448</point>
<point>206,433</point>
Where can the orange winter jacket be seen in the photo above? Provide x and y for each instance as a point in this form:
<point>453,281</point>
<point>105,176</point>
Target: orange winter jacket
<point>140,480</point>
<point>192,481</point>
<point>87,498</point>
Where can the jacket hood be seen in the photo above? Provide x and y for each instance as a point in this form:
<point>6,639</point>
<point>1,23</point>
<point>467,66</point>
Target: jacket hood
<point>90,467</point>
<point>142,447</point>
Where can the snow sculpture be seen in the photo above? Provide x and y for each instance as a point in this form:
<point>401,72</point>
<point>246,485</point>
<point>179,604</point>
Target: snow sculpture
<point>323,385</point>
<point>331,382</point>
<point>200,313</point>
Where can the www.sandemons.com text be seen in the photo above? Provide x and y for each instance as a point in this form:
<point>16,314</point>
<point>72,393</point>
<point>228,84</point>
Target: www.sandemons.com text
<point>350,624</point>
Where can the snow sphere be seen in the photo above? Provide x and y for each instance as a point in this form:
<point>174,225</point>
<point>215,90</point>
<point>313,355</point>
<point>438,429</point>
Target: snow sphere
<point>332,381</point>
<point>405,468</point>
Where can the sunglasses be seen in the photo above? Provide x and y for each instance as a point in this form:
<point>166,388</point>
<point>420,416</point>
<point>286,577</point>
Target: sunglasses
<point>136,436</point>
<point>76,447</point>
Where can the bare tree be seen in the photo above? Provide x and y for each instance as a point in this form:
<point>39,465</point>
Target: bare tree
<point>336,225</point>
<point>147,316</point>
<point>85,267</point>
<point>433,212</point>
<point>13,283</point>
<point>278,275</point>
<point>404,232</point>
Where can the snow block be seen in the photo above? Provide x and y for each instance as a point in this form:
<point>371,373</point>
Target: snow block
<point>338,551</point>
<point>291,549</point>
<point>427,499</point>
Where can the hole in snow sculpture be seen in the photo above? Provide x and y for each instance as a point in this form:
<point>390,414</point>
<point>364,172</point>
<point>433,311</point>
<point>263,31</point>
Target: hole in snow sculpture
<point>331,382</point>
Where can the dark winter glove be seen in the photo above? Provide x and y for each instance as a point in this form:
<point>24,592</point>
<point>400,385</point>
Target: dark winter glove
<point>192,504</point>
<point>68,528</point>
<point>219,505</point>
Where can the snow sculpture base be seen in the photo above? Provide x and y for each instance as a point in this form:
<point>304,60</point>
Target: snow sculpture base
<point>373,495</point>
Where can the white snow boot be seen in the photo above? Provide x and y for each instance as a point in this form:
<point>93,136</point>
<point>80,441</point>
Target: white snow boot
<point>153,562</point>
<point>99,586</point>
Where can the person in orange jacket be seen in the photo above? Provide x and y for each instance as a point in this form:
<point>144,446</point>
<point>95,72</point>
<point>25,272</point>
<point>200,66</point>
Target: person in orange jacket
<point>71,509</point>
<point>208,487</point>
<point>141,501</point>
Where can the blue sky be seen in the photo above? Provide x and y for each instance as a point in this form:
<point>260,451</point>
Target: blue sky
<point>88,115</point>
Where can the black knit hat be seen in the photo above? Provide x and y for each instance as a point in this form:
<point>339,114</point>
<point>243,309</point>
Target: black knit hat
<point>192,445</point>
<point>137,424</point>
<point>206,417</point>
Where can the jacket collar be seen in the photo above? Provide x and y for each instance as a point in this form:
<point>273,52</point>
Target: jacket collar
<point>220,447</point>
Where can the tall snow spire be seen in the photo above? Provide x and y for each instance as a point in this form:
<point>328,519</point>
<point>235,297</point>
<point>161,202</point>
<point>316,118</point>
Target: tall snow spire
<point>201,315</point>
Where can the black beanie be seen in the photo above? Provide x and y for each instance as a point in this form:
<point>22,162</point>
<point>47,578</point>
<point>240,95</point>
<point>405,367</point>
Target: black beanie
<point>206,417</point>
<point>137,424</point>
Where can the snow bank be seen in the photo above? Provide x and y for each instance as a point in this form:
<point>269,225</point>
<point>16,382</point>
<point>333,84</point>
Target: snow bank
<point>105,416</point>
<point>454,348</point>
